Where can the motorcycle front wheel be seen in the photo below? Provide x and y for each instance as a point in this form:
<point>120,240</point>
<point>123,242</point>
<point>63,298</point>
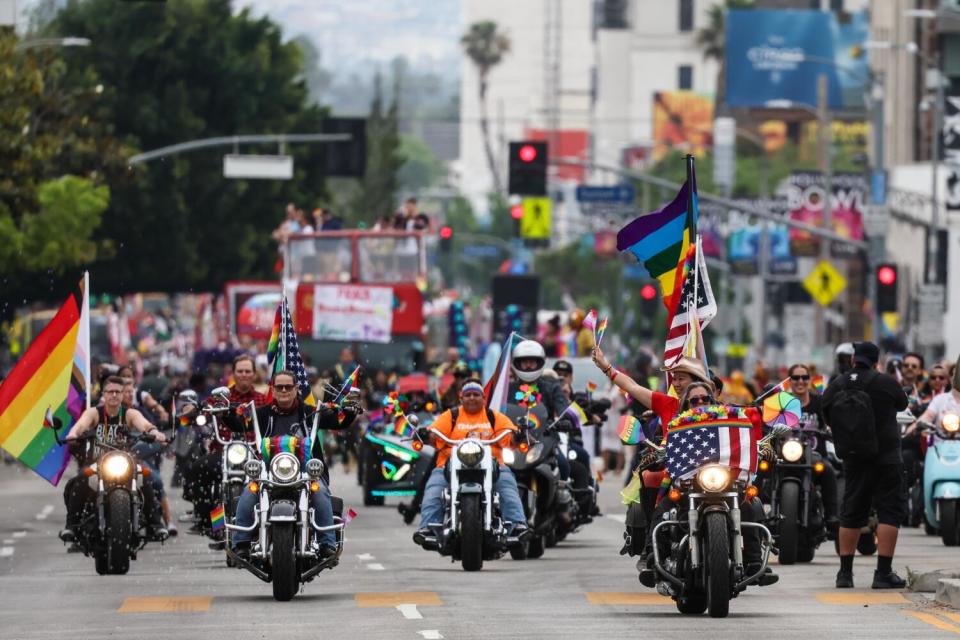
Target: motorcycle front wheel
<point>949,526</point>
<point>789,522</point>
<point>717,565</point>
<point>283,561</point>
<point>118,533</point>
<point>471,532</point>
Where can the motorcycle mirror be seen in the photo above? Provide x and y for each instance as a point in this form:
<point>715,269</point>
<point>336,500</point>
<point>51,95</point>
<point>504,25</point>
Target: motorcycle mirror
<point>651,445</point>
<point>413,420</point>
<point>221,391</point>
<point>781,430</point>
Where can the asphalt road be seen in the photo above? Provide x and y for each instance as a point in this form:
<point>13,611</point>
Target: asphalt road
<point>387,587</point>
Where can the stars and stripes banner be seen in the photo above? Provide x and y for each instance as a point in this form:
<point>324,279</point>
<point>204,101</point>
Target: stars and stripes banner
<point>711,435</point>
<point>288,354</point>
<point>696,307</point>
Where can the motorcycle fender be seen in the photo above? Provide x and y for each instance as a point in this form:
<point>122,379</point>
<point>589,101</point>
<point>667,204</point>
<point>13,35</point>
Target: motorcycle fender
<point>721,507</point>
<point>470,487</point>
<point>283,511</point>
<point>946,490</point>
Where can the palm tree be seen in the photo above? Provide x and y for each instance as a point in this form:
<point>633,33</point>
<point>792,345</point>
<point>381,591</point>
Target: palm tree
<point>485,46</point>
<point>712,40</point>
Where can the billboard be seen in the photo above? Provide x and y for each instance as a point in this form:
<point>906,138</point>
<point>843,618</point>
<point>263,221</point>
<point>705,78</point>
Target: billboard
<point>805,192</point>
<point>744,250</point>
<point>774,57</point>
<point>682,120</point>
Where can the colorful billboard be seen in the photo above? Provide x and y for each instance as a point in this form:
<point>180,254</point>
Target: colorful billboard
<point>805,199</point>
<point>775,56</point>
<point>682,120</point>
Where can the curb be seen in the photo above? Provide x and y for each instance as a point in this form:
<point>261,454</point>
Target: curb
<point>948,592</point>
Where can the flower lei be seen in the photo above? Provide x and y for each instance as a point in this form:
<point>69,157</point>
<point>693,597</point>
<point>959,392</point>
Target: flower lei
<point>707,414</point>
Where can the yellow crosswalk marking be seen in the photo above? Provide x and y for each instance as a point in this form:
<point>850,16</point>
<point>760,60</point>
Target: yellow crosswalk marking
<point>165,604</point>
<point>860,598</point>
<point>934,621</point>
<point>393,598</point>
<point>620,598</point>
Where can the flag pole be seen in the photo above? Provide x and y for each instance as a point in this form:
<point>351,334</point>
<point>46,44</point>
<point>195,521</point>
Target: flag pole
<point>85,331</point>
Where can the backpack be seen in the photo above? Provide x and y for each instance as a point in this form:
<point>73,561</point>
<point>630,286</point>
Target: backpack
<point>851,417</point>
<point>455,415</point>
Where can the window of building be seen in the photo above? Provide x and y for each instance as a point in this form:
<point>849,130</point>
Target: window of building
<point>686,15</point>
<point>685,77</point>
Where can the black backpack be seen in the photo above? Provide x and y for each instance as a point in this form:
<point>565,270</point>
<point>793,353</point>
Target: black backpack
<point>851,417</point>
<point>455,415</point>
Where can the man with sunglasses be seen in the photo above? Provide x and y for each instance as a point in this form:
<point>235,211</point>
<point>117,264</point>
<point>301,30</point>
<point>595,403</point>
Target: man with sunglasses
<point>288,416</point>
<point>471,418</point>
<point>811,418</point>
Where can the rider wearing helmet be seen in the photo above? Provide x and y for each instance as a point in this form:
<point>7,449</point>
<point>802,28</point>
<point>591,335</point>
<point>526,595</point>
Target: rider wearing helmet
<point>844,354</point>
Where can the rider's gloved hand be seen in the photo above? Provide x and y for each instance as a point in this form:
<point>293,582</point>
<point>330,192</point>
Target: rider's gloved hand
<point>352,409</point>
<point>563,424</point>
<point>648,459</point>
<point>767,453</point>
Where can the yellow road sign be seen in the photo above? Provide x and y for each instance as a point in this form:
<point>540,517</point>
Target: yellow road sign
<point>535,223</point>
<point>824,283</point>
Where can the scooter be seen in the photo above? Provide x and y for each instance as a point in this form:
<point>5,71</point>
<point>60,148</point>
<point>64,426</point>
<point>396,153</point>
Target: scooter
<point>941,479</point>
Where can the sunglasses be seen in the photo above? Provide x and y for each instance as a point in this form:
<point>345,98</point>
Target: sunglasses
<point>284,387</point>
<point>911,366</point>
<point>799,378</point>
<point>696,401</point>
<point>112,392</point>
<point>938,377</point>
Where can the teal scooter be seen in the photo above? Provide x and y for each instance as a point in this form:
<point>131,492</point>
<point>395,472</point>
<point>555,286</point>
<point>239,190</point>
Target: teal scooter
<point>941,478</point>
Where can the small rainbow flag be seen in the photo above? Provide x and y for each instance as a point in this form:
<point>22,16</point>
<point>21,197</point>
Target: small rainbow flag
<point>601,327</point>
<point>590,321</point>
<point>591,387</point>
<point>533,421</point>
<point>273,346</point>
<point>630,430</point>
<point>818,383</point>
<point>576,414</point>
<point>348,383</point>
<point>216,518</point>
<point>400,425</point>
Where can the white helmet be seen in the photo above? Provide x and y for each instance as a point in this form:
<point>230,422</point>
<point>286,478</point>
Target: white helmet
<point>529,349</point>
<point>844,349</point>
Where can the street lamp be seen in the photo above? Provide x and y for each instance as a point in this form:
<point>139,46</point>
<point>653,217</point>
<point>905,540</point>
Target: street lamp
<point>69,41</point>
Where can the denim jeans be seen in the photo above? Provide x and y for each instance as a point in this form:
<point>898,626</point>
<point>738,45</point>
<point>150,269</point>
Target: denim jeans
<point>320,501</point>
<point>431,510</point>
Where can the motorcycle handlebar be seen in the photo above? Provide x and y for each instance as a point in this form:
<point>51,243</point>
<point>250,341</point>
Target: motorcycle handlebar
<point>456,442</point>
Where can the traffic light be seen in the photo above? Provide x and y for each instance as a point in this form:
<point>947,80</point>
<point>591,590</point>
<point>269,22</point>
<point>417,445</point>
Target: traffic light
<point>886,281</point>
<point>446,239</point>
<point>648,308</point>
<point>528,168</point>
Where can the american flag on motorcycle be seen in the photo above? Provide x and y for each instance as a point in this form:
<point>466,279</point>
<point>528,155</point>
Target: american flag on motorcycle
<point>711,435</point>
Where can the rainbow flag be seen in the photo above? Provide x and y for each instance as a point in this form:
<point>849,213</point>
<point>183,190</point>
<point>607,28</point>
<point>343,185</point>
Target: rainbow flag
<point>601,328</point>
<point>660,240</point>
<point>273,346</point>
<point>216,518</point>
<point>400,425</point>
<point>630,430</point>
<point>591,387</point>
<point>348,383</point>
<point>576,414</point>
<point>50,380</point>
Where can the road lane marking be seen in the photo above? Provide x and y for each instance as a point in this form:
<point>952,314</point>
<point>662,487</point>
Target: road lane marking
<point>375,566</point>
<point>430,634</point>
<point>953,616</point>
<point>860,598</point>
<point>165,604</point>
<point>19,534</point>
<point>6,551</point>
<point>621,598</point>
<point>933,621</point>
<point>8,541</point>
<point>393,598</point>
<point>364,557</point>
<point>47,510</point>
<point>619,517</point>
<point>409,611</point>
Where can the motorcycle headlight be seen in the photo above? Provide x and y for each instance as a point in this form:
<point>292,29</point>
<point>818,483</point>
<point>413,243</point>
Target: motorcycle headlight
<point>315,467</point>
<point>115,466</point>
<point>508,457</point>
<point>470,453</point>
<point>951,423</point>
<point>253,468</point>
<point>201,420</point>
<point>713,479</point>
<point>236,454</point>
<point>534,453</point>
<point>792,450</point>
<point>284,467</point>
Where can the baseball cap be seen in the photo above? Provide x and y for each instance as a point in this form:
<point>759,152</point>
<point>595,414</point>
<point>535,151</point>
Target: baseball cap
<point>563,367</point>
<point>866,353</point>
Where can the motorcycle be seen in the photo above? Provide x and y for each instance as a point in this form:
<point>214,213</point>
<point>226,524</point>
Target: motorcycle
<point>286,552</point>
<point>111,531</point>
<point>547,501</point>
<point>941,479</point>
<point>795,513</point>
<point>915,502</point>
<point>705,567</point>
<point>472,529</point>
<point>389,467</point>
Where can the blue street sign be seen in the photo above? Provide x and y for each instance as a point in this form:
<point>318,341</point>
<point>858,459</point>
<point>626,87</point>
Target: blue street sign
<point>481,251</point>
<point>622,193</point>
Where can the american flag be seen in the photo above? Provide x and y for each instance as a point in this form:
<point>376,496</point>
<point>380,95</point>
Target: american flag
<point>683,325</point>
<point>729,444</point>
<point>289,357</point>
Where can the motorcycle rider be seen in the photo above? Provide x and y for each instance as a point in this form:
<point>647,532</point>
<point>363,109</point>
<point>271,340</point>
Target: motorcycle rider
<point>471,418</point>
<point>948,402</point>
<point>287,416</point>
<point>112,423</point>
<point>844,358</point>
<point>812,415</point>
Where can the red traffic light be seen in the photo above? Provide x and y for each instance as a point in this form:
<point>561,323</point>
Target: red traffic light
<point>446,232</point>
<point>516,211</point>
<point>527,153</point>
<point>648,292</point>
<point>887,275</point>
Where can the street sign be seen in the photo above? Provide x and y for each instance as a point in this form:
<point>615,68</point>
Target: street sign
<point>481,251</point>
<point>253,166</point>
<point>622,193</point>
<point>535,223</point>
<point>824,283</point>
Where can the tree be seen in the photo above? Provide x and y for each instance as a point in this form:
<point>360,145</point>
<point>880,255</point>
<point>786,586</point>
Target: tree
<point>420,169</point>
<point>485,46</point>
<point>179,71</point>
<point>712,40</point>
<point>379,185</point>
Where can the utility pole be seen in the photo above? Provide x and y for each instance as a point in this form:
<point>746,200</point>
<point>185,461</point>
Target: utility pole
<point>933,246</point>
<point>826,168</point>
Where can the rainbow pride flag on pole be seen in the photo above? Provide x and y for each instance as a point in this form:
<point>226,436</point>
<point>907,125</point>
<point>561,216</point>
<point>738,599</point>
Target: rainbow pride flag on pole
<point>51,380</point>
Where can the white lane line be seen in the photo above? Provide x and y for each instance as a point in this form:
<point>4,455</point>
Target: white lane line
<point>376,566</point>
<point>409,611</point>
<point>6,551</point>
<point>47,510</point>
<point>364,557</point>
<point>431,634</point>
<point>619,517</point>
<point>8,541</point>
<point>19,534</point>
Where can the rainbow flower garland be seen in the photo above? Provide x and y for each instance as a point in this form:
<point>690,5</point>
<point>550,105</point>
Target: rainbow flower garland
<point>708,416</point>
<point>300,447</point>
